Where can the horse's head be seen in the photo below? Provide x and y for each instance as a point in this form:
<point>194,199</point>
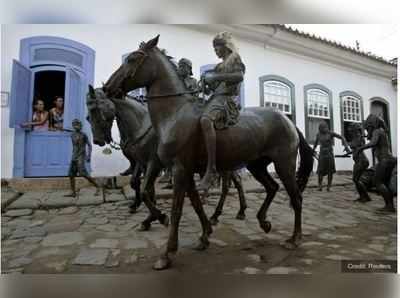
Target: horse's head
<point>101,114</point>
<point>136,71</point>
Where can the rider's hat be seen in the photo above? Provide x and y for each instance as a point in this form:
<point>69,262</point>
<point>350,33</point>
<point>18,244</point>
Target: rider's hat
<point>187,62</point>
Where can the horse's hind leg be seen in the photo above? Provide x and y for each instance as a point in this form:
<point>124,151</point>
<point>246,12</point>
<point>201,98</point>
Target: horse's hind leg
<point>221,202</point>
<point>237,181</point>
<point>259,171</point>
<point>198,208</point>
<point>286,170</point>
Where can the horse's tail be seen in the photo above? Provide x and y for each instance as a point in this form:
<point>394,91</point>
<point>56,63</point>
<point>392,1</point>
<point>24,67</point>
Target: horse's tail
<point>306,162</point>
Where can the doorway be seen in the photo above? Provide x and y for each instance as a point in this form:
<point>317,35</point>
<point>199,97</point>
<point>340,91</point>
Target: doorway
<point>48,85</point>
<point>49,67</point>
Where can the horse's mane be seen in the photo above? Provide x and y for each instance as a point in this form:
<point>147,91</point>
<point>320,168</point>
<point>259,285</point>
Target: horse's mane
<point>169,58</point>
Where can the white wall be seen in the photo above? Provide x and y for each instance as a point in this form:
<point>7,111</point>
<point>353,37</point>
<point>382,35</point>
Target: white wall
<point>112,41</point>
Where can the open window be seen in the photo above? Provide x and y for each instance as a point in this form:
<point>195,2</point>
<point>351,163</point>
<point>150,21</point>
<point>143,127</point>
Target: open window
<point>278,92</point>
<point>351,111</point>
<point>318,109</point>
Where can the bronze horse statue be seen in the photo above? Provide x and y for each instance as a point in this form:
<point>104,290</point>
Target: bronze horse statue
<point>262,136</point>
<point>139,143</point>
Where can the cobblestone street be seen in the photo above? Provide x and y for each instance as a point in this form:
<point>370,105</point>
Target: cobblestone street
<point>44,232</point>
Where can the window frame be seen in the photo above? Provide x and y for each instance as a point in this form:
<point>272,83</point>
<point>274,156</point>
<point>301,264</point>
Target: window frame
<point>356,96</point>
<point>306,116</point>
<point>284,81</point>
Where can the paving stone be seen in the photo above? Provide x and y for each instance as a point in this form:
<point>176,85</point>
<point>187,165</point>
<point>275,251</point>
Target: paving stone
<point>8,197</point>
<point>37,223</point>
<point>18,262</point>
<point>91,256</point>
<point>63,239</point>
<point>250,270</point>
<point>25,202</point>
<point>58,266</point>
<point>217,242</point>
<point>335,246</point>
<point>307,261</point>
<point>30,232</point>
<point>114,196</point>
<point>128,226</point>
<point>18,212</point>
<point>366,251</point>
<point>311,243</point>
<point>104,243</point>
<point>281,270</point>
<point>135,244</point>
<point>106,228</point>
<point>57,200</point>
<point>24,250</point>
<point>63,224</point>
<point>50,251</point>
<point>377,247</point>
<point>335,257</point>
<point>68,210</point>
<point>33,239</point>
<point>97,220</point>
<point>85,200</point>
<point>254,258</point>
<point>255,237</point>
<point>131,259</point>
<point>113,259</point>
<point>14,271</point>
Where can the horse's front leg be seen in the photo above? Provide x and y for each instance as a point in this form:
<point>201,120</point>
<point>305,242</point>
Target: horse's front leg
<point>135,185</point>
<point>198,208</point>
<point>180,187</point>
<point>237,181</point>
<point>221,202</point>
<point>153,169</point>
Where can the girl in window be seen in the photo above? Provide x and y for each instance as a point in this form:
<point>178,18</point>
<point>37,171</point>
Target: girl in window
<point>57,114</point>
<point>40,117</point>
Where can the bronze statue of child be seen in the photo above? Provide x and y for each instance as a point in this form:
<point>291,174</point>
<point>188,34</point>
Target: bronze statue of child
<point>79,156</point>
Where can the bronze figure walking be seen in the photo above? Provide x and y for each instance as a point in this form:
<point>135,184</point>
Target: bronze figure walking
<point>326,159</point>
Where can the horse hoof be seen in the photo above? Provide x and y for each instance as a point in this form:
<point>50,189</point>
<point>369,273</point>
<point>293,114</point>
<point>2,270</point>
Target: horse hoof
<point>144,227</point>
<point>213,221</point>
<point>291,244</point>
<point>203,245</point>
<point>386,210</point>
<point>241,216</point>
<point>266,226</point>
<point>162,263</point>
<point>132,209</point>
<point>164,220</point>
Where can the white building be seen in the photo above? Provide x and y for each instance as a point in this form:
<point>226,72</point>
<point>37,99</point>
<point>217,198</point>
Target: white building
<point>309,78</point>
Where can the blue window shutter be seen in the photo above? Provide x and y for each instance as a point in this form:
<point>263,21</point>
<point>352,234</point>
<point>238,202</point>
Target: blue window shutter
<point>20,97</point>
<point>74,97</point>
<point>206,67</point>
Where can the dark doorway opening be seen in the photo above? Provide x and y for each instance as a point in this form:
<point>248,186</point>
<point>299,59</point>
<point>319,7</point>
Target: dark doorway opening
<point>48,85</point>
<point>380,109</point>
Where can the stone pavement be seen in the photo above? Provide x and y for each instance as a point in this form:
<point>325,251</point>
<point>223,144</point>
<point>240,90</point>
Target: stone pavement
<point>42,232</point>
